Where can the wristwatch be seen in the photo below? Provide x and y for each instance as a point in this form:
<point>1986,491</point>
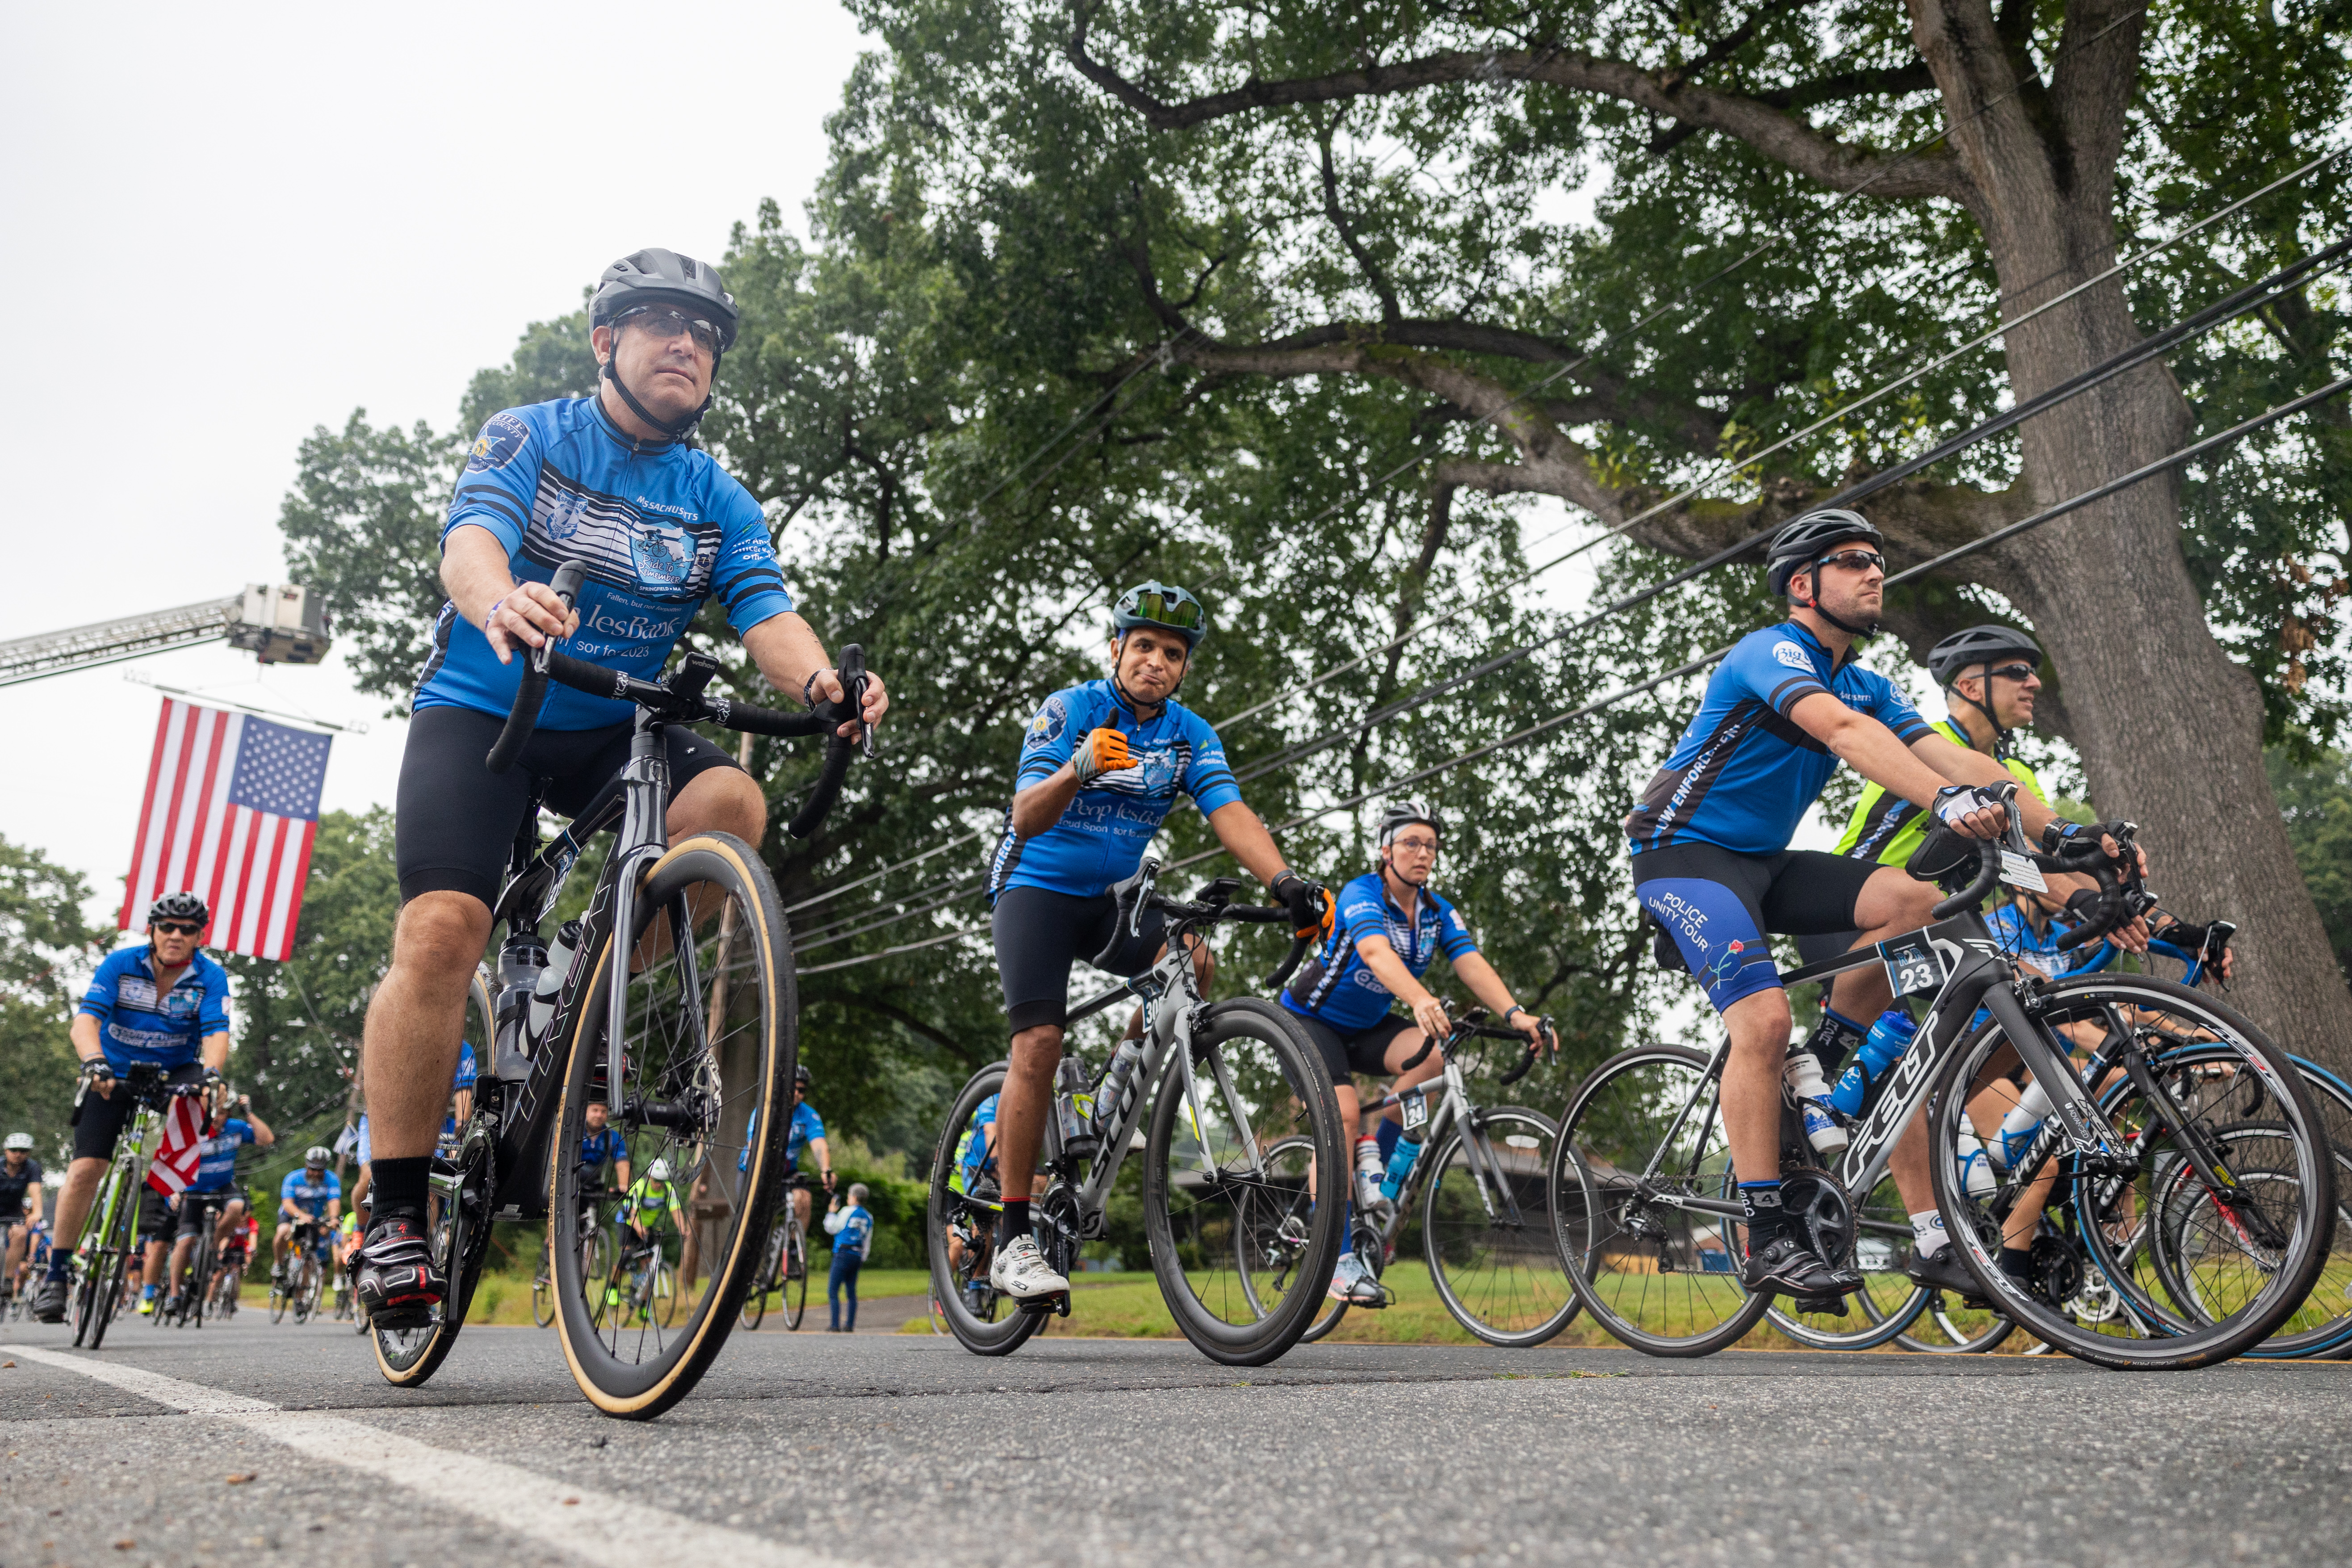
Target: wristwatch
<point>1512,1012</point>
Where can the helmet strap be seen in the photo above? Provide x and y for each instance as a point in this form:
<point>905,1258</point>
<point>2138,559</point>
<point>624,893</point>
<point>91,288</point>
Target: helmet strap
<point>1118,645</point>
<point>672,429</point>
<point>1813,570</point>
<point>1999,735</point>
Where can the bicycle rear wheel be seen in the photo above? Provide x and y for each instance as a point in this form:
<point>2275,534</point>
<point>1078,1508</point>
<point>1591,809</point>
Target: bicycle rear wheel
<point>960,1230</point>
<point>2255,1248</point>
<point>796,1273</point>
<point>1642,1138</point>
<point>1485,1229</point>
<point>194,1293</point>
<point>709,1035</point>
<point>1207,1188</point>
<point>460,1237</point>
<point>1277,1235</point>
<point>755,1299</point>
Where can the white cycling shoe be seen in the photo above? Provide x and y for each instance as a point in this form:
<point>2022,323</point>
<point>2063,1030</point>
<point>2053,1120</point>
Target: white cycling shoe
<point>1020,1270</point>
<point>1355,1283</point>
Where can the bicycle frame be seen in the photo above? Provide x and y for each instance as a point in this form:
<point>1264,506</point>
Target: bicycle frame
<point>1454,1110</point>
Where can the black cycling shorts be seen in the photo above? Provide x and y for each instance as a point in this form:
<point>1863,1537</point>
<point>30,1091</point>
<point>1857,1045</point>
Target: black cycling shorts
<point>1366,1051</point>
<point>101,1122</point>
<point>1039,934</point>
<point>201,1211</point>
<point>157,1219</point>
<point>456,820</point>
<point>1717,906</point>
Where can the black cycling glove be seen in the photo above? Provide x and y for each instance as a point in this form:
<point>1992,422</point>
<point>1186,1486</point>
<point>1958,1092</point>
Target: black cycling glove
<point>1308,902</point>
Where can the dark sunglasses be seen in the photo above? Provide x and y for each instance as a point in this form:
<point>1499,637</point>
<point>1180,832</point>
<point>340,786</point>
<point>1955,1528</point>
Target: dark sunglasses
<point>178,928</point>
<point>2012,671</point>
<point>1856,560</point>
<point>667,324</point>
<point>1169,610</point>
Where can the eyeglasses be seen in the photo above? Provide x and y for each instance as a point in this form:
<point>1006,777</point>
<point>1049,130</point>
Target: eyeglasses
<point>1179,611</point>
<point>2013,672</point>
<point>178,928</point>
<point>667,324</point>
<point>1856,560</point>
<point>1418,845</point>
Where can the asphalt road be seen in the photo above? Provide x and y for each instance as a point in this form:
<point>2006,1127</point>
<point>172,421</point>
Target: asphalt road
<point>815,1451</point>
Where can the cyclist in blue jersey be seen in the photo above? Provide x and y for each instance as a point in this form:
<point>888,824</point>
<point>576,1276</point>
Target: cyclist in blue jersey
<point>1712,863</point>
<point>1391,926</point>
<point>311,1195</point>
<point>1100,771</point>
<point>806,1132</point>
<point>602,1144</point>
<point>20,1208</point>
<point>213,1198</point>
<point>163,1005</point>
<point>608,479</point>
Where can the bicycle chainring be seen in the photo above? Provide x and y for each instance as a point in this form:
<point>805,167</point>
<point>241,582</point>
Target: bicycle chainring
<point>2057,1271</point>
<point>1820,1203</point>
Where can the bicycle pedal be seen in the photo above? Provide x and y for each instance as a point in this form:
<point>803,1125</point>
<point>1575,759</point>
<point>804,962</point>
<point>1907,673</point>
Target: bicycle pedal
<point>1057,1304</point>
<point>1829,1306</point>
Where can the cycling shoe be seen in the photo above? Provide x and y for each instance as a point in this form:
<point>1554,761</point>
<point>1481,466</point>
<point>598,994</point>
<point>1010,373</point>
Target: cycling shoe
<point>49,1301</point>
<point>1787,1267</point>
<point>1944,1271</point>
<point>395,1278</point>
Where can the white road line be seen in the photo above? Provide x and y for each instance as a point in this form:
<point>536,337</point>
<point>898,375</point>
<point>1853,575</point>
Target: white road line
<point>594,1526</point>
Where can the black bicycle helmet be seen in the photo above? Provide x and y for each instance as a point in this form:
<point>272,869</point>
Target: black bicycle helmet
<point>181,906</point>
<point>657,277</point>
<point>800,1074</point>
<point>1410,810</point>
<point>1805,541</point>
<point>1963,653</point>
<point>1976,651</point>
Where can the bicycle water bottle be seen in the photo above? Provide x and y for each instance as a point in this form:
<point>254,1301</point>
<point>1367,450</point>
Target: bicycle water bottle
<point>2020,1126</point>
<point>1408,1150</point>
<point>1976,1165</point>
<point>521,963</point>
<point>1111,1104</point>
<point>549,986</point>
<point>1802,1072</point>
<point>1076,1106</point>
<point>1888,1038</point>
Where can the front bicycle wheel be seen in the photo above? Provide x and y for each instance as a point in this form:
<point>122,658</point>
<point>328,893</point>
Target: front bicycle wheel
<point>1207,1186</point>
<point>960,1227</point>
<point>795,1284</point>
<point>708,1034</point>
<point>1485,1229</point>
<point>100,1288</point>
<point>755,1299</point>
<point>2254,1243</point>
<point>1278,1238</point>
<point>1642,1144</point>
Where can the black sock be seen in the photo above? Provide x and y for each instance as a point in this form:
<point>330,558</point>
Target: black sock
<point>400,1188</point>
<point>2017,1262</point>
<point>1834,1038</point>
<point>1767,1221</point>
<point>1015,1221</point>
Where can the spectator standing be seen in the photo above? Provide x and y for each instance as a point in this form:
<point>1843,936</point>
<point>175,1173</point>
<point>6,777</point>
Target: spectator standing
<point>852,1230</point>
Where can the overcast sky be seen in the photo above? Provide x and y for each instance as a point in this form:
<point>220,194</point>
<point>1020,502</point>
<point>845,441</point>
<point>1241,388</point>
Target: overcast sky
<point>228,224</point>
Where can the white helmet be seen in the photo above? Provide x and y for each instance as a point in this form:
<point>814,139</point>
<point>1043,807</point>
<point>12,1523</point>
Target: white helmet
<point>659,1171</point>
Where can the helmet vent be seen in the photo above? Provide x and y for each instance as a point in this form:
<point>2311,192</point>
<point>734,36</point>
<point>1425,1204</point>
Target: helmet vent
<point>687,262</point>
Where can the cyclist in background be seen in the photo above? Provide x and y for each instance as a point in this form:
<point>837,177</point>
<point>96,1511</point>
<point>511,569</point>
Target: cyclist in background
<point>1713,867</point>
<point>648,1200</point>
<point>603,1144</point>
<point>606,478</point>
<point>1390,927</point>
<point>311,1196</point>
<point>806,1132</point>
<point>213,1197</point>
<point>975,1176</point>
<point>1099,771</point>
<point>163,1005</point>
<point>20,1208</point>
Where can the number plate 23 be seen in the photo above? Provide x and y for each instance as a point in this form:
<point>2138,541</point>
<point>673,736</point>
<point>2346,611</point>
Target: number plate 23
<point>1913,967</point>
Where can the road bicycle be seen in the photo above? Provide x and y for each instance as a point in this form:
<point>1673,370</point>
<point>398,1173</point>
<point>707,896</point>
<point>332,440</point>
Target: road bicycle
<point>304,1283</point>
<point>1478,1196</point>
<point>595,1255</point>
<point>1219,1086</point>
<point>1644,1200</point>
<point>110,1248</point>
<point>783,1268</point>
<point>193,1290</point>
<point>671,1001</point>
<point>642,1287</point>
<point>226,1280</point>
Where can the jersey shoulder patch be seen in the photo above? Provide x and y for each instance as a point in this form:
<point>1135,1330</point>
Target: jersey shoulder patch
<point>1052,719</point>
<point>500,442</point>
<point>1792,656</point>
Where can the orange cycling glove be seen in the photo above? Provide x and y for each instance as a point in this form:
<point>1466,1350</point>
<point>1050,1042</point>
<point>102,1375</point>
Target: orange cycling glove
<point>1102,750</point>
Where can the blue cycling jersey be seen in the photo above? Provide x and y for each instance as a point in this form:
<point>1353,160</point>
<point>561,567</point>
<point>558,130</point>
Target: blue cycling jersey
<point>661,530</point>
<point>1336,988</point>
<point>598,1147</point>
<point>137,1028</point>
<point>216,1156</point>
<point>310,1197</point>
<point>805,1124</point>
<point>1101,838</point>
<point>1743,771</point>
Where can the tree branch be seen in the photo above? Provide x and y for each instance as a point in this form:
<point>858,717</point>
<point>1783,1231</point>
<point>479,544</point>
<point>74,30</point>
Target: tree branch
<point>1390,314</point>
<point>1782,137</point>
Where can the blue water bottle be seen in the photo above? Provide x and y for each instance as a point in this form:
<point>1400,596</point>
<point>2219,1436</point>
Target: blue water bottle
<point>1888,1038</point>
<point>1408,1150</point>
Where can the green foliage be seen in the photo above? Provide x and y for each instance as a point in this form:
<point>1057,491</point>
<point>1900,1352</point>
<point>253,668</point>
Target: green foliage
<point>47,949</point>
<point>2316,800</point>
<point>301,1019</point>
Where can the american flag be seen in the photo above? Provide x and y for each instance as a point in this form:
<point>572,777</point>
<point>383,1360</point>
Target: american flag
<point>232,807</point>
<point>182,1150</point>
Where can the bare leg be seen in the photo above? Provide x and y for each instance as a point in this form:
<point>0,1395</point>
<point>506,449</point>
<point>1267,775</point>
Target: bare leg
<point>73,1203</point>
<point>1023,1104</point>
<point>1759,1027</point>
